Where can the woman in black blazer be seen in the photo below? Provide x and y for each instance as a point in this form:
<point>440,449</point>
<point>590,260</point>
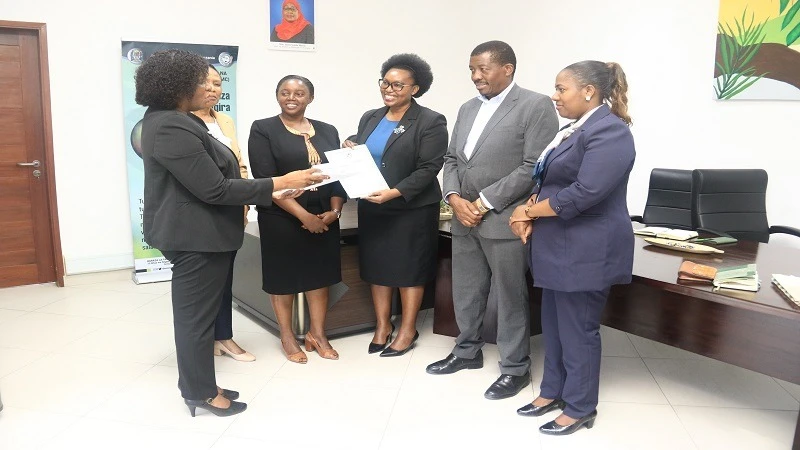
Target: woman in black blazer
<point>193,197</point>
<point>398,227</point>
<point>300,249</point>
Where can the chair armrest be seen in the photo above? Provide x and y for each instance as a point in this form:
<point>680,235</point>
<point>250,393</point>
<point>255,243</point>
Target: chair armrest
<point>785,230</point>
<point>637,219</point>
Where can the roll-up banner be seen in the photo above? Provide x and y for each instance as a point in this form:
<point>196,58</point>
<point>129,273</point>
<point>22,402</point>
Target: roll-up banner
<point>149,265</point>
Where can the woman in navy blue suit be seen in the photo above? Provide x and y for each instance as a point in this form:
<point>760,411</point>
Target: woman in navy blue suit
<point>582,242</point>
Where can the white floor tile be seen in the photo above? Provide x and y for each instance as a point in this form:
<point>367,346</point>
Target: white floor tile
<point>102,434</point>
<point>26,429</point>
<point>125,341</point>
<point>235,443</point>
<point>46,332</point>
<point>106,378</point>
<point>244,321</point>
<point>373,371</point>
<point>793,389</point>
<point>12,359</point>
<point>67,384</point>
<point>733,428</point>
<point>625,426</point>
<point>713,383</point>
<point>617,343</point>
<point>95,303</point>
<point>265,347</point>
<point>158,311</point>
<point>128,285</point>
<point>628,380</point>
<point>299,414</point>
<point>656,350</point>
<point>8,314</point>
<point>31,298</point>
<point>153,399</point>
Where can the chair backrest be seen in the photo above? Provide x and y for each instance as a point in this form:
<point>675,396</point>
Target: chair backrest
<point>732,201</point>
<point>669,198</point>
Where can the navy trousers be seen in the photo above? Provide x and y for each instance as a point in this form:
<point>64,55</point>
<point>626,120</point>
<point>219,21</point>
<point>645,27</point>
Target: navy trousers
<point>223,326</point>
<point>571,332</point>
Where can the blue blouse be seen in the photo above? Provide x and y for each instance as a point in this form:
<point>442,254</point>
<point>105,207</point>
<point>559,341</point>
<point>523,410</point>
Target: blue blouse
<point>376,142</point>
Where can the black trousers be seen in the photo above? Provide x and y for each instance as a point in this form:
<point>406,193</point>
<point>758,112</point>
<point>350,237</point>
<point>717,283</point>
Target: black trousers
<point>198,280</point>
<point>223,326</point>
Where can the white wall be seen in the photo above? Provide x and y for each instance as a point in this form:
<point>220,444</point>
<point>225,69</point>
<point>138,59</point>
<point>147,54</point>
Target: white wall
<point>666,48</point>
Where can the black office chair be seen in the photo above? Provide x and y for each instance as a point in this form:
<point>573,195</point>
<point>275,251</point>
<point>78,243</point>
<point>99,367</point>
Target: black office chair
<point>733,202</point>
<point>669,199</point>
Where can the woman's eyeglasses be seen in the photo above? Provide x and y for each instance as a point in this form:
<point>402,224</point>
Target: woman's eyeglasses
<point>395,86</point>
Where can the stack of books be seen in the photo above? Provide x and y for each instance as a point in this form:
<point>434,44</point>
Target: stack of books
<point>743,278</point>
<point>789,285</point>
<point>666,233</point>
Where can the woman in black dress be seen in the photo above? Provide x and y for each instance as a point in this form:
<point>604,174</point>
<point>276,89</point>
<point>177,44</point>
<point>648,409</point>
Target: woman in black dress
<point>398,227</point>
<point>299,237</point>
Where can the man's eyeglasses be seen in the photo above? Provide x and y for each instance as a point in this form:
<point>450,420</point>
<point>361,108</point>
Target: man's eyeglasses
<point>395,86</point>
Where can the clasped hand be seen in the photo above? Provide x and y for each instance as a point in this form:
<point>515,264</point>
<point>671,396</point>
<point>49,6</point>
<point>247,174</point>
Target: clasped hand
<point>465,211</point>
<point>318,223</point>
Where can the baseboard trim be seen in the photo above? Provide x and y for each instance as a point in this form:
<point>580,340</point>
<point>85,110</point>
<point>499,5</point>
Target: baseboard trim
<point>103,263</point>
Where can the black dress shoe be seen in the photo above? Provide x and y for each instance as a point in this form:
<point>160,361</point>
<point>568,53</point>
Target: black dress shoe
<point>531,410</point>
<point>453,364</point>
<point>230,395</point>
<point>555,429</point>
<point>375,348</point>
<point>389,351</point>
<point>507,386</point>
<point>235,408</point>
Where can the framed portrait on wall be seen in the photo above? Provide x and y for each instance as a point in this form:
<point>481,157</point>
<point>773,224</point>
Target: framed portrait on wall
<point>291,25</point>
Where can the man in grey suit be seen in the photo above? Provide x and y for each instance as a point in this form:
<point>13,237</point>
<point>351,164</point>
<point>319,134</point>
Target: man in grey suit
<point>488,170</point>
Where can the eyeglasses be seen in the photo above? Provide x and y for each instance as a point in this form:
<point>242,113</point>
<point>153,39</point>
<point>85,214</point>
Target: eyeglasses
<point>395,86</point>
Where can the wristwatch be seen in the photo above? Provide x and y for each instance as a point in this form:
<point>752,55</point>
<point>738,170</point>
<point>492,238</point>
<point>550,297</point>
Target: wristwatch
<point>481,208</point>
<point>338,213</point>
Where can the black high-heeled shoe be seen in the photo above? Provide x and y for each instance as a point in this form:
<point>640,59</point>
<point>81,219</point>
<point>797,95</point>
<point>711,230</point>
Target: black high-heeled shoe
<point>389,351</point>
<point>230,395</point>
<point>554,429</point>
<point>235,408</point>
<point>531,410</point>
<point>375,348</point>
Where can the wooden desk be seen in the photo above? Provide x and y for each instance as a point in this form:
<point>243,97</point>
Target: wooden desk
<point>759,331</point>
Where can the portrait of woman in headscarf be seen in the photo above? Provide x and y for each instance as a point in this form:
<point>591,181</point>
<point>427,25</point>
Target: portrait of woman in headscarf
<point>294,27</point>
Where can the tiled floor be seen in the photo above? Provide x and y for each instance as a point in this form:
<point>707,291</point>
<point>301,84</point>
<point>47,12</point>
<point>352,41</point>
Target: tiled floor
<point>92,366</point>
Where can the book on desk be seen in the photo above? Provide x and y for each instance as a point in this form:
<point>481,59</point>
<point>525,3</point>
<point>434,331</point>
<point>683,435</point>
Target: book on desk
<point>789,285</point>
<point>743,278</point>
<point>666,233</point>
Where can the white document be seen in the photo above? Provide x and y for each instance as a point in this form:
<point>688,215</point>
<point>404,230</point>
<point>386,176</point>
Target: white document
<point>356,170</point>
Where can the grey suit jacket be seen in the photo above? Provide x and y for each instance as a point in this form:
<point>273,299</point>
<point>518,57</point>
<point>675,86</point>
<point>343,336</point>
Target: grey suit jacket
<point>193,191</point>
<point>501,166</point>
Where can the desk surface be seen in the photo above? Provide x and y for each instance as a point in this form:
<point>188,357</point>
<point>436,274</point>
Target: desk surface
<point>658,267</point>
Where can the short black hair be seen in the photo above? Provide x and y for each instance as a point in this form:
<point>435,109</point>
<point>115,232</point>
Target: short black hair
<point>419,68</point>
<point>302,79</point>
<point>500,52</point>
<point>169,76</point>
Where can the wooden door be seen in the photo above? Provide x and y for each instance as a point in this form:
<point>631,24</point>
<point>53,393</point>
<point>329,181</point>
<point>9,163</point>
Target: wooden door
<point>28,216</point>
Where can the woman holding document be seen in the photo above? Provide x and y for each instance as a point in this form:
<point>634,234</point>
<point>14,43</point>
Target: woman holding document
<point>299,237</point>
<point>398,227</point>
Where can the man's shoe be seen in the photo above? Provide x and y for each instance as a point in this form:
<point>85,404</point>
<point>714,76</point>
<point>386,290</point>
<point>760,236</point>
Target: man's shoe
<point>453,364</point>
<point>507,386</point>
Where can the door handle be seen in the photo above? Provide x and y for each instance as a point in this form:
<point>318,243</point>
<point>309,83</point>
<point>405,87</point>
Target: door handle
<point>35,163</point>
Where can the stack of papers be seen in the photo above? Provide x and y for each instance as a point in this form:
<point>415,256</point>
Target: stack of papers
<point>666,233</point>
<point>743,278</point>
<point>789,285</point>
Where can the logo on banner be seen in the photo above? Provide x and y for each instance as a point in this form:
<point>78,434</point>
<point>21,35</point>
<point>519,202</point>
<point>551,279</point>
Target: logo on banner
<point>135,55</point>
<point>225,59</point>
